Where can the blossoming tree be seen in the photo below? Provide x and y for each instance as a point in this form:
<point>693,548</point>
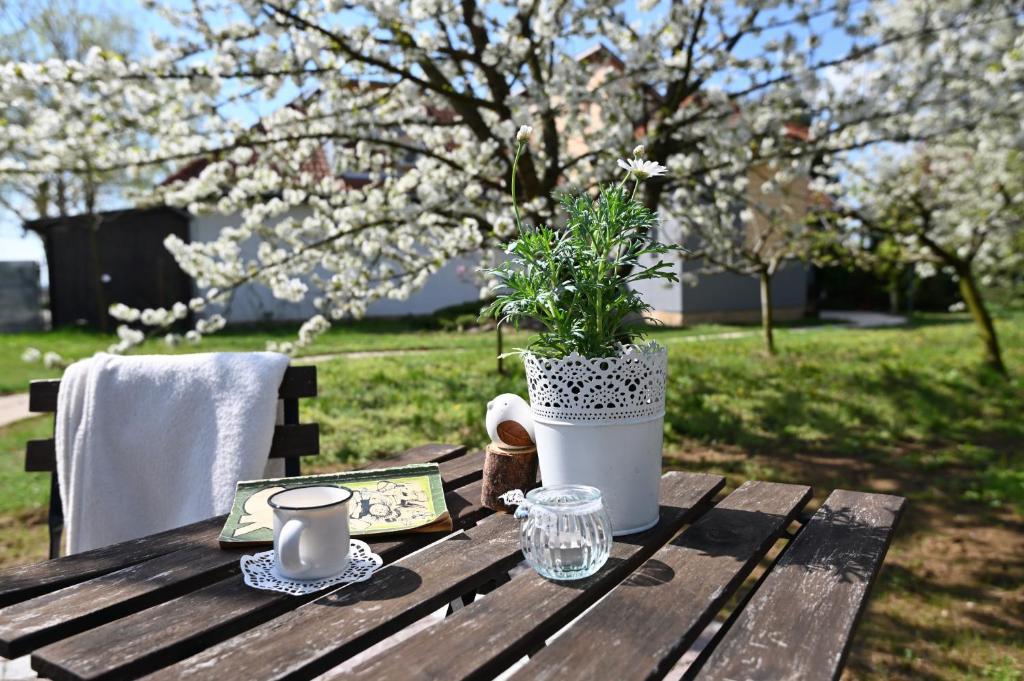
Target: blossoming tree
<point>383,145</point>
<point>951,196</point>
<point>64,30</point>
<point>957,208</point>
<point>924,72</point>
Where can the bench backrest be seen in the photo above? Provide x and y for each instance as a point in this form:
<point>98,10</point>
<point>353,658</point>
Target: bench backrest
<point>292,440</point>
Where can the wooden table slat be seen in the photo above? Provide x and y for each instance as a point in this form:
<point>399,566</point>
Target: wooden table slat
<point>57,615</point>
<point>800,622</point>
<point>423,453</point>
<point>160,635</point>
<point>462,470</point>
<point>27,581</point>
<point>174,606</point>
<point>38,621</point>
<point>645,625</point>
<point>311,638</point>
<point>485,637</point>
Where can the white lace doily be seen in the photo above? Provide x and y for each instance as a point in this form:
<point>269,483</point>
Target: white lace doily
<point>574,388</point>
<point>259,572</point>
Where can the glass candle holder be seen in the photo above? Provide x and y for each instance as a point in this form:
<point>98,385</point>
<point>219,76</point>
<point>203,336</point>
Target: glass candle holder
<point>565,531</point>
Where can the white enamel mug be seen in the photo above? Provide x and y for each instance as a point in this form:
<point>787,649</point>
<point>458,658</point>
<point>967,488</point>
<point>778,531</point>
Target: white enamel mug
<point>311,535</point>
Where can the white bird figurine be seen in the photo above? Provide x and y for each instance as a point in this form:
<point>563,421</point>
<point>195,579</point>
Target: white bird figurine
<point>510,421</point>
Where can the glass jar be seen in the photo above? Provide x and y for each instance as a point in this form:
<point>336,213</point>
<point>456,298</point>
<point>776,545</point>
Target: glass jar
<point>565,532</point>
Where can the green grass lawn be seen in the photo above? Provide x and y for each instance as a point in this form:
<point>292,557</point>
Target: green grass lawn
<point>907,411</point>
<point>365,335</point>
<point>368,335</point>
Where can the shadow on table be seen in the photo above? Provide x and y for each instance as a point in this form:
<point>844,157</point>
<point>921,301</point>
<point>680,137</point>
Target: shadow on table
<point>392,582</point>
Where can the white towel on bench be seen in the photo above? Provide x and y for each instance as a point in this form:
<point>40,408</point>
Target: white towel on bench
<point>149,443</point>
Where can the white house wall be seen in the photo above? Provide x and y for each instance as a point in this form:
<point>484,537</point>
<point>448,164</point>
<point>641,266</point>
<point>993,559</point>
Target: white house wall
<point>726,292</point>
<point>723,296</point>
<point>451,285</point>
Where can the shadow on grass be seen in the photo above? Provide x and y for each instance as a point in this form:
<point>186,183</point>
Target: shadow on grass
<point>852,419</point>
<point>865,413</point>
<point>981,617</point>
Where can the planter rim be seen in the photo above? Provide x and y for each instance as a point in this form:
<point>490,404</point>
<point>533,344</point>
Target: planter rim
<point>626,388</point>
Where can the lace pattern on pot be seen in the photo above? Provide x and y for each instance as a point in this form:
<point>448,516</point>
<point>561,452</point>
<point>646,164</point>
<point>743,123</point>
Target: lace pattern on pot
<point>575,388</point>
<point>258,571</point>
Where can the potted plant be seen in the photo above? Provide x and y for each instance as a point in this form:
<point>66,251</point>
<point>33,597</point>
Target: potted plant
<point>597,390</point>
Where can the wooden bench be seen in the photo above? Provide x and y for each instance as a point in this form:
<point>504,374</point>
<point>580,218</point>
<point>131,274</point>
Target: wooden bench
<point>292,440</point>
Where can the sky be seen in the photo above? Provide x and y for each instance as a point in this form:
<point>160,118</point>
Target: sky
<point>15,244</point>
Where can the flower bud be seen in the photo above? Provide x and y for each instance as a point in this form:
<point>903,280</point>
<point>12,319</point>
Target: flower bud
<point>524,134</point>
<point>638,151</point>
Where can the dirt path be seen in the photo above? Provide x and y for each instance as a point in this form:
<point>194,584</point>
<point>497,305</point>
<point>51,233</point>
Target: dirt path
<point>860,319</point>
<point>370,354</point>
<point>13,408</point>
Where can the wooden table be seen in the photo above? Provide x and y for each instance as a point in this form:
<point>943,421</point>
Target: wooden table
<point>174,605</point>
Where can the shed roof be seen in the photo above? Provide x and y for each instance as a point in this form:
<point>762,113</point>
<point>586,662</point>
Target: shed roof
<point>40,225</point>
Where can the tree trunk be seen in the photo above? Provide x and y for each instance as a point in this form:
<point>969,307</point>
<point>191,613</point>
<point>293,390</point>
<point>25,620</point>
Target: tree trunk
<point>909,290</point>
<point>894,293</point>
<point>501,350</point>
<point>986,329</point>
<point>767,323</point>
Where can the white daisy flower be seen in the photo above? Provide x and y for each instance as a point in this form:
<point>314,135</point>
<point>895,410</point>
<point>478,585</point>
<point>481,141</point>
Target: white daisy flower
<point>524,133</point>
<point>642,170</point>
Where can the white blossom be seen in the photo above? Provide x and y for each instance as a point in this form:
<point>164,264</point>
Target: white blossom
<point>641,169</point>
<point>123,313</point>
<point>52,360</point>
<point>311,329</point>
<point>366,186</point>
<point>211,324</point>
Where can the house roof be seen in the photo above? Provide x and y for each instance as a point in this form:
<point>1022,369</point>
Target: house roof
<point>316,165</point>
<point>600,53</point>
<point>41,225</point>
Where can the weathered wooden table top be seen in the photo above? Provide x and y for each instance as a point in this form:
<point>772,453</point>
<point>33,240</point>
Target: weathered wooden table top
<point>786,588</point>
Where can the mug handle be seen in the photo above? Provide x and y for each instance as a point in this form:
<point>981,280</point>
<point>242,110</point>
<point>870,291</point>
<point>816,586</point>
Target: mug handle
<point>288,545</point>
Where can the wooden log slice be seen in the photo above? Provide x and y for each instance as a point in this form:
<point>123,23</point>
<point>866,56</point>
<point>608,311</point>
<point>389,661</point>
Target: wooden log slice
<point>505,469</point>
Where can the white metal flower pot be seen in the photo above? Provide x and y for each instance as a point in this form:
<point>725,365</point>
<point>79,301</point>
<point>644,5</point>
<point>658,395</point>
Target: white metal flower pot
<point>599,422</point>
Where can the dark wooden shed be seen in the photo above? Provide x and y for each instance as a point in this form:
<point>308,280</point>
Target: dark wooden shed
<point>112,257</point>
